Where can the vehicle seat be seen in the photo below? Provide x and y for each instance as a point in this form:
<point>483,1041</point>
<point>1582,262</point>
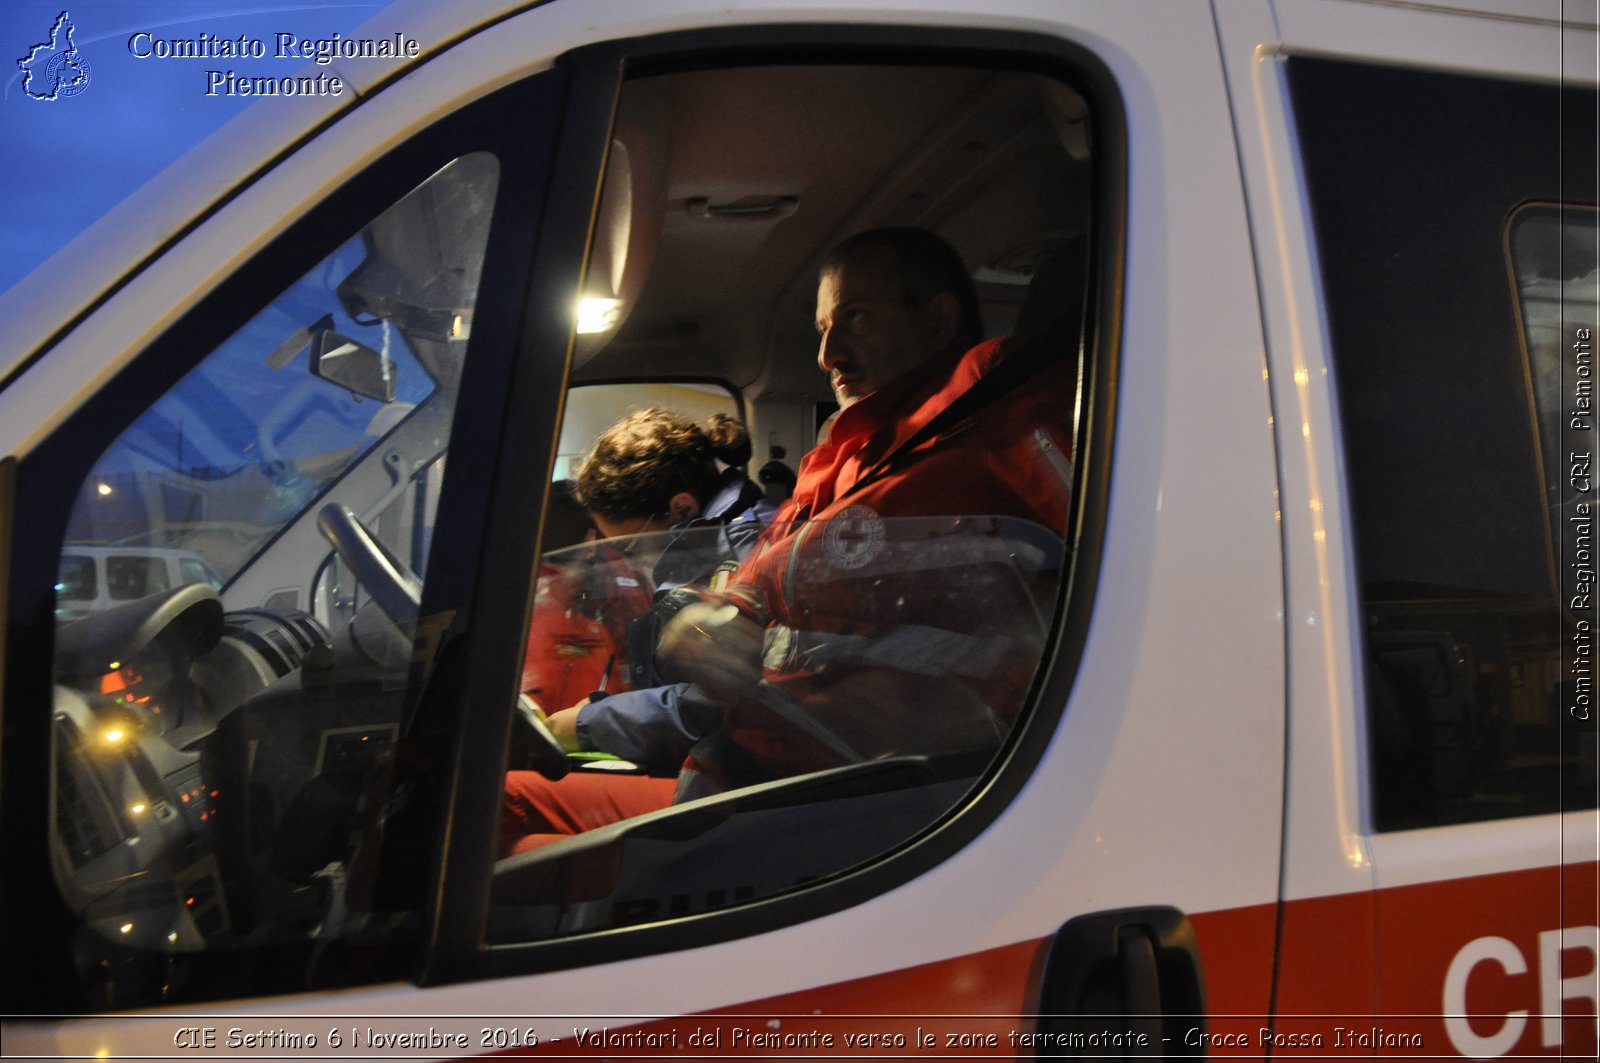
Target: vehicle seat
<point>1052,310</point>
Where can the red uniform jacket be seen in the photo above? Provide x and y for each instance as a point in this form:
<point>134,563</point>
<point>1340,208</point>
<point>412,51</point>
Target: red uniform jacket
<point>577,636</point>
<point>907,586</point>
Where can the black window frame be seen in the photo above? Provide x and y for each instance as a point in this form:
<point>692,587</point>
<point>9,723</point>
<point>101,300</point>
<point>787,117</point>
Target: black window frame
<point>458,948</point>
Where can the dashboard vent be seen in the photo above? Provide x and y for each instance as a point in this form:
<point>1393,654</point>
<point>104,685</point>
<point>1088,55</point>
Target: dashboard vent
<point>282,636</point>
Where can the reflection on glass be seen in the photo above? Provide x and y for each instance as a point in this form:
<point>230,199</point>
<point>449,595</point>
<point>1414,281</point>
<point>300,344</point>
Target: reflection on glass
<point>1556,263</point>
<point>1471,618</point>
<point>839,696</point>
<point>213,739</point>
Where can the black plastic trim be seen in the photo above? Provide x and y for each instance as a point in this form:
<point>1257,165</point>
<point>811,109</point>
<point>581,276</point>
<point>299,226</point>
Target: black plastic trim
<point>484,649</point>
<point>1134,970</point>
<point>8,519</point>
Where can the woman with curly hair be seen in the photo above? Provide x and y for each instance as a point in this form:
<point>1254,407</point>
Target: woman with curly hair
<point>654,470</point>
<point>672,499</point>
<point>674,507</point>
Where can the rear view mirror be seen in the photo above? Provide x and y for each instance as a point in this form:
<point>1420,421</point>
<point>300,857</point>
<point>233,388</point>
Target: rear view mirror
<point>341,360</point>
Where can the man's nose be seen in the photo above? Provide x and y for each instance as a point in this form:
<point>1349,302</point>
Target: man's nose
<point>830,350</point>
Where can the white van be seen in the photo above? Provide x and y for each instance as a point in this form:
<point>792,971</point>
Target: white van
<point>1336,270</point>
<point>94,578</point>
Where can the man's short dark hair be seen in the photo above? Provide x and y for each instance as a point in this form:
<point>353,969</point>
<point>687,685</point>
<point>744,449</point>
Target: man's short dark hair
<point>927,266</point>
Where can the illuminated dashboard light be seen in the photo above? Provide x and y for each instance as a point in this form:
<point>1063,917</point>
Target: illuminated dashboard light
<point>103,489</point>
<point>113,736</point>
<point>138,809</point>
<point>598,315</point>
<point>126,928</point>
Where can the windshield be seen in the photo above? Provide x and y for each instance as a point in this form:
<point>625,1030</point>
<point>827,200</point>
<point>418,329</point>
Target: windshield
<point>257,432</point>
<point>135,113</point>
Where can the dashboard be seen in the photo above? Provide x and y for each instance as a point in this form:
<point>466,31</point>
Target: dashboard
<point>141,691</point>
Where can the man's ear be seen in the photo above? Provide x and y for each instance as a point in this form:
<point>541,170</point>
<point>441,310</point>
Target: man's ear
<point>683,507</point>
<point>944,316</point>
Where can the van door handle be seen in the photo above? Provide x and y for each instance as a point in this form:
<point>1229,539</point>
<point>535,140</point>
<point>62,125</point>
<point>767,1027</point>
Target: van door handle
<point>1126,983</point>
<point>1141,982</point>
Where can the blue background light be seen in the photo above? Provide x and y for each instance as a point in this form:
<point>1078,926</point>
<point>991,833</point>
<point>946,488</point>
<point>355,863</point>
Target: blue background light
<point>65,162</point>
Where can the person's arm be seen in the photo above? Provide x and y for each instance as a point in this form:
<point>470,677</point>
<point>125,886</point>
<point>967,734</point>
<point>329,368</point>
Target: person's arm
<point>564,726</point>
<point>654,728</point>
<point>717,644</point>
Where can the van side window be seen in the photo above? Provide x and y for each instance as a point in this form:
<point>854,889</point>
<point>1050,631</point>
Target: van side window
<point>885,640</point>
<point>77,580</point>
<point>1552,251</point>
<point>1463,364</point>
<point>131,576</point>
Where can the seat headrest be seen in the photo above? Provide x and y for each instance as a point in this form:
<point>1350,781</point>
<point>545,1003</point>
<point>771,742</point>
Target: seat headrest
<point>1052,308</point>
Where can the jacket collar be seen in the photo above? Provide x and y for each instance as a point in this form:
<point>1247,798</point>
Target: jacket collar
<point>871,429</point>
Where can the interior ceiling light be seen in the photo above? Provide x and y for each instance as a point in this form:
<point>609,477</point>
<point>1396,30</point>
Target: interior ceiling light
<point>598,315</point>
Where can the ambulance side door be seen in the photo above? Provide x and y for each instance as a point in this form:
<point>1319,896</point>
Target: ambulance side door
<point>1423,184</point>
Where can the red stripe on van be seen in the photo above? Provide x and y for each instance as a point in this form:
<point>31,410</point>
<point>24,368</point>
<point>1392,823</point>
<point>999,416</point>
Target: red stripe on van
<point>1360,976</point>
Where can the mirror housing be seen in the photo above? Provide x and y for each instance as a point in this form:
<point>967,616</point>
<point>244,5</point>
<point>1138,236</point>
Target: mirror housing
<point>340,360</point>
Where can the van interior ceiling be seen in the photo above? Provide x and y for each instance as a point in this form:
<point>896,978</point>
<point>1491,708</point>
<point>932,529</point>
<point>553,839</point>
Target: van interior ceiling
<point>714,171</point>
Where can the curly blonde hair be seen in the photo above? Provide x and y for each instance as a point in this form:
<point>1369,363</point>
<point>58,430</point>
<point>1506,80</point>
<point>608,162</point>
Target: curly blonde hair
<point>638,464</point>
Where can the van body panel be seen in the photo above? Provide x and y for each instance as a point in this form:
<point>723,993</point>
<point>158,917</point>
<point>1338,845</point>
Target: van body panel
<point>1212,756</point>
<point>1325,850</point>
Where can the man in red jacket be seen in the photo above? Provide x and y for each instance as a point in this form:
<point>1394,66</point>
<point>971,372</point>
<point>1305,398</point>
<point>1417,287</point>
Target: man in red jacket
<point>895,611</point>
<point>894,606</point>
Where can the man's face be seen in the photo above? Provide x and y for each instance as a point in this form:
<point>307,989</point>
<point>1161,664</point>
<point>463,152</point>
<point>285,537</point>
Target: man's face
<point>870,334</point>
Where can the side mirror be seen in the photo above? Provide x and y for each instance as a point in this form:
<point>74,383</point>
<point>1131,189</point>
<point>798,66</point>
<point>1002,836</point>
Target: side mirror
<point>342,361</point>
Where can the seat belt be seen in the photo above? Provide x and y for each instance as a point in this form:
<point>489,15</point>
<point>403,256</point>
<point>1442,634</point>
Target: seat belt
<point>1022,364</point>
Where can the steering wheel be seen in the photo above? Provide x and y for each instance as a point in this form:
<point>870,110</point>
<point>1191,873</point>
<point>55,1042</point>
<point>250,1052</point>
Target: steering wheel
<point>532,744</point>
<point>391,583</point>
<point>398,593</point>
